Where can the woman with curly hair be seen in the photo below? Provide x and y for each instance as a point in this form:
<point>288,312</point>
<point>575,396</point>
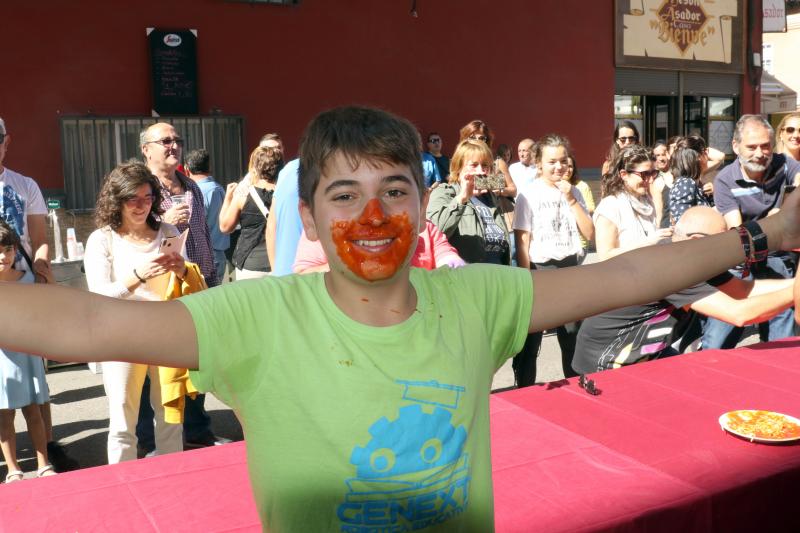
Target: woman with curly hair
<point>625,218</point>
<point>122,260</point>
<point>248,203</point>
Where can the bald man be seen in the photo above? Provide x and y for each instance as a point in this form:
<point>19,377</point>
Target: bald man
<point>162,150</point>
<point>523,172</point>
<point>663,328</point>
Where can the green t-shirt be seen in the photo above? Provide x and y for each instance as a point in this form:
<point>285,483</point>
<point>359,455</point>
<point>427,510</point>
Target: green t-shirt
<point>353,428</point>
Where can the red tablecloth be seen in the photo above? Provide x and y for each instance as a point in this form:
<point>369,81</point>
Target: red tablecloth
<point>645,455</point>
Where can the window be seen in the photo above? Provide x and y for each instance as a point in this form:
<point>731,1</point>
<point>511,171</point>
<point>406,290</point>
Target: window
<point>92,146</point>
<point>767,56</point>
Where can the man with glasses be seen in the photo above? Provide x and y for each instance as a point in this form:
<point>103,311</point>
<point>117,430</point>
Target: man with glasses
<point>22,207</point>
<point>667,327</point>
<point>183,204</point>
<point>523,172</point>
<point>749,189</point>
<point>435,150</point>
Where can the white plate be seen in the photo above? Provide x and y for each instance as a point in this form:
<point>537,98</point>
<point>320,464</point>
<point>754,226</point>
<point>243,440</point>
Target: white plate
<point>725,422</point>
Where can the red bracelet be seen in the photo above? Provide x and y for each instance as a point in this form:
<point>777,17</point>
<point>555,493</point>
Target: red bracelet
<point>744,236</point>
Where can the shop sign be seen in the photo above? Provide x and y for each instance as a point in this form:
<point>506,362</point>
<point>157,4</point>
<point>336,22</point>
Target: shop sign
<point>702,35</point>
<point>774,12</point>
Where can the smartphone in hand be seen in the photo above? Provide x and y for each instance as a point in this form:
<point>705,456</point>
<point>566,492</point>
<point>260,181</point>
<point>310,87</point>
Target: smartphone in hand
<point>173,244</point>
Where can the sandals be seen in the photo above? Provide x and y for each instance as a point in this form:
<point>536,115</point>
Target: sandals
<point>14,475</point>
<point>46,471</point>
<point>19,475</point>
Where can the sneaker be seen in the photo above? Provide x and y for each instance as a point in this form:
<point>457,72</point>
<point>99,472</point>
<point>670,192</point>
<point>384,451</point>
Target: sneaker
<point>205,441</point>
<point>59,458</point>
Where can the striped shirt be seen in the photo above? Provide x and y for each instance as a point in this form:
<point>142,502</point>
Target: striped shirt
<point>198,243</point>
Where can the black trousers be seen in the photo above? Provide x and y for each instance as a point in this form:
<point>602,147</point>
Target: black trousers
<point>524,363</point>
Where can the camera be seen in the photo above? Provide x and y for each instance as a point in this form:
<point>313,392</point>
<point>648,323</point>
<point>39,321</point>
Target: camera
<point>489,182</point>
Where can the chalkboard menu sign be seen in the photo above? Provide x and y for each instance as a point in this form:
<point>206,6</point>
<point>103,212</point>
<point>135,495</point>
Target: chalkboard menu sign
<point>173,58</point>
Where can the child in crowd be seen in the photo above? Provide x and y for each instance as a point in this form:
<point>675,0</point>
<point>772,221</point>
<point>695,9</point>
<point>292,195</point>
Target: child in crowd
<point>364,391</point>
<point>22,381</point>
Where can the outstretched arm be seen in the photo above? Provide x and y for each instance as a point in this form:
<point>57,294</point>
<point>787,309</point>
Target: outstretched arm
<point>750,310</point>
<point>71,325</point>
<point>647,274</point>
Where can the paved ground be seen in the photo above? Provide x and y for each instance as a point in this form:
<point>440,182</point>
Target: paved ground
<point>80,411</point>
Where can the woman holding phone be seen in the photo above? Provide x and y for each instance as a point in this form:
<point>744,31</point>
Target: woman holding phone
<point>468,216</point>
<point>123,260</point>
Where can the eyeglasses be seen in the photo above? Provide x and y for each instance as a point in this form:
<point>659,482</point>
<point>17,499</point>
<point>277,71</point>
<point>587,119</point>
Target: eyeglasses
<point>138,201</point>
<point>483,138</point>
<point>645,174</point>
<point>167,142</point>
<point>2,137</point>
<point>434,141</point>
<point>787,129</point>
<point>628,139</point>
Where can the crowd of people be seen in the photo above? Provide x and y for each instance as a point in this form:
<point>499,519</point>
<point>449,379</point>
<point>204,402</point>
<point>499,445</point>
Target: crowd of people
<point>312,354</point>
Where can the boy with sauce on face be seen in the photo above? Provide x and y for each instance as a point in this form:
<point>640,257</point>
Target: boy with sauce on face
<point>364,397</point>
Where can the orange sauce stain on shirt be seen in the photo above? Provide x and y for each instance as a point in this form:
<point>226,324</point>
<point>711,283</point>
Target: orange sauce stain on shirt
<point>373,225</point>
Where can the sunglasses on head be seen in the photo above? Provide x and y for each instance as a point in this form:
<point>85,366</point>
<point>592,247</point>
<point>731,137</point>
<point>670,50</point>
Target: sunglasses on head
<point>787,129</point>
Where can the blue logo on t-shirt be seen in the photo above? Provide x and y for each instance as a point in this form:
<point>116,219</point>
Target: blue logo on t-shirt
<point>413,473</point>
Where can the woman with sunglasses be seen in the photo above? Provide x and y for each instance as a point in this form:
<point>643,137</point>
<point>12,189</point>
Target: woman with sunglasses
<point>478,130</point>
<point>625,218</point>
<point>688,163</point>
<point>625,134</point>
<point>789,136</point>
<point>122,260</point>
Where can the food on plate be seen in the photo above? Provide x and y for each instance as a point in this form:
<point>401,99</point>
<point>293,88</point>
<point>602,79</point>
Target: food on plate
<point>762,425</point>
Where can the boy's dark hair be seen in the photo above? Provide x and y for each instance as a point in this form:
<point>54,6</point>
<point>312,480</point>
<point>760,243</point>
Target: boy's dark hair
<point>8,237</point>
<point>121,184</point>
<point>363,135</point>
<point>197,161</point>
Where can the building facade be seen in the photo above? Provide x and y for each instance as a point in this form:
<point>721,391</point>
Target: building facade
<point>80,80</point>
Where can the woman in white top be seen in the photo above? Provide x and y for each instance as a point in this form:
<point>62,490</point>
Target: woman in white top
<point>625,218</point>
<point>549,221</point>
<point>122,260</point>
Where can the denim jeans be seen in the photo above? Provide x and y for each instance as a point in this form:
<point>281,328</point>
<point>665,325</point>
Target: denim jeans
<point>719,334</point>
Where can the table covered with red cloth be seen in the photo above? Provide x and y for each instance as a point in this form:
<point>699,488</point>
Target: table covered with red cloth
<point>647,454</point>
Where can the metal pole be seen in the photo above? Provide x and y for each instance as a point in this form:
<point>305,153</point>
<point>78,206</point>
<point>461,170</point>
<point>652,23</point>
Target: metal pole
<point>681,125</point>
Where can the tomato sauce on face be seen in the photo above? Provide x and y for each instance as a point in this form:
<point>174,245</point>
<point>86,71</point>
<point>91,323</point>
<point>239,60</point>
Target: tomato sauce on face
<point>373,225</point>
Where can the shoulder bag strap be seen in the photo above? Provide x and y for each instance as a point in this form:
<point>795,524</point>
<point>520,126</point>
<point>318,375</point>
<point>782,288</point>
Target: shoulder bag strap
<point>259,202</point>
